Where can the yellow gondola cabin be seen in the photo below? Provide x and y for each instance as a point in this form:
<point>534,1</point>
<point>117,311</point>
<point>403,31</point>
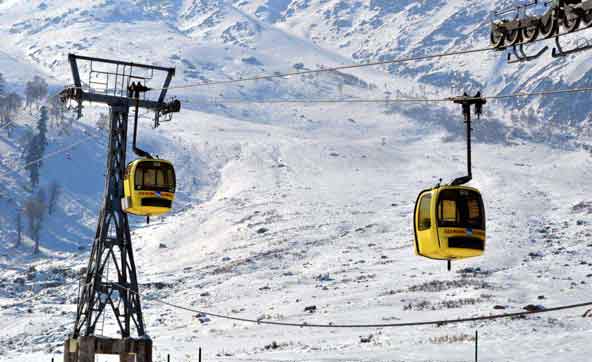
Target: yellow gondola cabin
<point>149,187</point>
<point>449,223</point>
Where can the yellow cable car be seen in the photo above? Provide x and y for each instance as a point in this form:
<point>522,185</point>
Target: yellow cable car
<point>449,223</point>
<point>149,187</point>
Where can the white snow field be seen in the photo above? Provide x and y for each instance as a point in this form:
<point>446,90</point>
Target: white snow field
<point>285,206</point>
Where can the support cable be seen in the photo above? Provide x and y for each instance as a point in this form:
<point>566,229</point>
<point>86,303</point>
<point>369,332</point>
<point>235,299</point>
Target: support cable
<point>323,69</point>
<point>12,122</point>
<point>379,100</point>
<point>6,124</point>
<point>50,155</point>
<point>371,325</point>
<point>319,70</point>
<point>331,69</point>
<point>391,100</point>
<point>362,65</point>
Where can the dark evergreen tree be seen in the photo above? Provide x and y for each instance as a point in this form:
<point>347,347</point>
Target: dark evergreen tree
<point>54,191</point>
<point>19,229</point>
<point>32,162</point>
<point>2,85</point>
<point>36,149</point>
<point>3,101</point>
<point>29,94</point>
<point>42,129</point>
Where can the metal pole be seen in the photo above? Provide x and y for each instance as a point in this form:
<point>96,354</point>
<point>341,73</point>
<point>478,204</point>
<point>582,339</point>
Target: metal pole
<point>135,93</point>
<point>476,346</point>
<point>199,355</point>
<point>466,102</point>
<point>468,121</point>
<point>168,358</point>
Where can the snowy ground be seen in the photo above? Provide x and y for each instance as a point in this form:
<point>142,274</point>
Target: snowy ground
<point>335,195</point>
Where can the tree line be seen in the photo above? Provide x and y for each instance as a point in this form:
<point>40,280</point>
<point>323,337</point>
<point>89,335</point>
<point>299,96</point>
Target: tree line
<point>41,202</point>
<point>49,113</point>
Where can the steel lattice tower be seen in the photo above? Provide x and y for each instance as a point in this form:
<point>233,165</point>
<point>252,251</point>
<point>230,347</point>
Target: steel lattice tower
<point>112,246</point>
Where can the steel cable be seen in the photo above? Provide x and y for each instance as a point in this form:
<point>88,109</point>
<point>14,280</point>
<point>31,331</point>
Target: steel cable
<point>362,65</point>
<point>329,69</point>
<point>371,325</point>
<point>50,155</point>
<point>387,100</point>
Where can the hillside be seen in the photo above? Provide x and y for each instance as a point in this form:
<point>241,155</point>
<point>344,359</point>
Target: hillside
<point>282,207</point>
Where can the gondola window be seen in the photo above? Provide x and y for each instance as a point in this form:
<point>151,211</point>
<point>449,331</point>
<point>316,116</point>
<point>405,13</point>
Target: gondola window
<point>424,213</point>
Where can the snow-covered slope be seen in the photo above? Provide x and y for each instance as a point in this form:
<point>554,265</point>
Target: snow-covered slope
<point>286,206</point>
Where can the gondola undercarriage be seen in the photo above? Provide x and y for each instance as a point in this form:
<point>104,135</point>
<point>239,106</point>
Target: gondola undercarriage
<point>563,17</point>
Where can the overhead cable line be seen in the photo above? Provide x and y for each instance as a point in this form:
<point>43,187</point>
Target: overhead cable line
<point>388,100</point>
<point>328,69</point>
<point>318,101</point>
<point>50,155</point>
<point>540,93</point>
<point>358,100</point>
<point>344,67</point>
<point>371,325</point>
<point>380,100</point>
<point>5,125</point>
<point>12,122</point>
<point>350,66</point>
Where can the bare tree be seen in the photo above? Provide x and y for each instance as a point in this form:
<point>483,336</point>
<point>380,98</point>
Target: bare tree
<point>56,110</point>
<point>35,211</point>
<point>54,191</point>
<point>9,106</point>
<point>102,122</point>
<point>35,91</point>
<point>14,102</point>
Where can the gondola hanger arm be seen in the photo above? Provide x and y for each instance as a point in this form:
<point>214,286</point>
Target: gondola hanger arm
<point>134,91</point>
<point>467,102</point>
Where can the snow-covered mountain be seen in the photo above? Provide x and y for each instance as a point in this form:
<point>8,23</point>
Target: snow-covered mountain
<point>221,39</point>
<point>286,206</point>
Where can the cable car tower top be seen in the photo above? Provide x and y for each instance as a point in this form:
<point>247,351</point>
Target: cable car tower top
<point>120,85</point>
